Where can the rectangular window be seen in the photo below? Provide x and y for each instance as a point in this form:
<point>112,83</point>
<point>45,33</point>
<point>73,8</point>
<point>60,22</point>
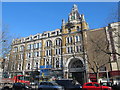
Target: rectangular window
<point>39,45</point>
<point>71,51</point>
<point>31,46</point>
<point>46,52</point>
<point>21,56</point>
<point>37,54</point>
<point>29,55</point>
<point>57,32</point>
<point>59,51</point>
<point>34,45</point>
<point>68,50</point>
<point>28,66</point>
<point>56,51</point>
<point>81,48</point>
<point>80,39</point>
<point>48,34</point>
<point>70,39</point>
<point>76,39</point>
<point>49,52</point>
<point>60,42</point>
<point>77,49</point>
<point>47,44</point>
<point>67,39</point>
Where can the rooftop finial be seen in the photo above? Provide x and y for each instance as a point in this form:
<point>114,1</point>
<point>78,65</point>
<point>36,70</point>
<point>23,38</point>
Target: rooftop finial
<point>74,7</point>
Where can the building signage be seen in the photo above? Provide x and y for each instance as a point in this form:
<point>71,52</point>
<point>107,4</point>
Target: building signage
<point>77,69</point>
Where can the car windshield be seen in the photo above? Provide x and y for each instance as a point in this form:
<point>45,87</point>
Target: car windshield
<point>24,78</point>
<point>104,84</point>
<point>97,85</point>
<point>20,84</point>
<point>89,84</point>
<point>54,83</point>
<point>48,83</point>
<point>107,84</point>
<point>65,82</point>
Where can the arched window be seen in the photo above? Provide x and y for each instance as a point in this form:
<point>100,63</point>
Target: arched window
<point>36,65</point>
<point>22,48</point>
<point>48,43</point>
<point>37,45</point>
<point>57,63</point>
<point>47,61</point>
<point>78,38</point>
<point>58,51</point>
<point>16,49</point>
<point>19,67</point>
<point>21,56</point>
<point>28,66</point>
<point>30,46</point>
<point>58,42</point>
<point>77,64</point>
<point>48,52</point>
<point>69,39</point>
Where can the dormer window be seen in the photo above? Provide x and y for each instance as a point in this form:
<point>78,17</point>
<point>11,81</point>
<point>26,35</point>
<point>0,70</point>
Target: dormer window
<point>35,36</point>
<point>48,34</point>
<point>57,32</point>
<point>27,38</point>
<point>78,28</point>
<point>73,17</point>
<point>53,33</point>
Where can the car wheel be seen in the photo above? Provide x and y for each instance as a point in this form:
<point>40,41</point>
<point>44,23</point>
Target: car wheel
<point>55,89</point>
<point>22,89</point>
<point>40,89</point>
<point>6,88</point>
<point>13,89</point>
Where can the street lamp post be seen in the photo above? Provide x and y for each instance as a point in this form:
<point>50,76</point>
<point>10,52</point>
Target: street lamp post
<point>108,79</point>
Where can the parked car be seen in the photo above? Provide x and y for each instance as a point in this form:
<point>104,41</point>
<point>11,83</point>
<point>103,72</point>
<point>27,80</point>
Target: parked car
<point>69,84</point>
<point>116,87</point>
<point>6,88</point>
<point>33,83</point>
<point>21,86</point>
<point>49,86</point>
<point>107,84</point>
<point>95,86</point>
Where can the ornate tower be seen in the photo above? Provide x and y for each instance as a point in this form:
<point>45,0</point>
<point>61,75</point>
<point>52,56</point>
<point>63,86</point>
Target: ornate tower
<point>74,16</point>
<point>75,22</point>
<point>73,32</point>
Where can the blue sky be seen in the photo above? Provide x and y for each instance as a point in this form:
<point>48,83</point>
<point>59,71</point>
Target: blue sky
<point>29,18</point>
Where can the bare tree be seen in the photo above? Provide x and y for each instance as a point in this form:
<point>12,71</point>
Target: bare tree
<point>5,41</point>
<point>109,45</point>
<point>5,44</point>
<point>97,43</point>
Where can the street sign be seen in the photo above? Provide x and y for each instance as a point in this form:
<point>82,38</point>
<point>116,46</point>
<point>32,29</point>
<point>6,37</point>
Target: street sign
<point>77,69</point>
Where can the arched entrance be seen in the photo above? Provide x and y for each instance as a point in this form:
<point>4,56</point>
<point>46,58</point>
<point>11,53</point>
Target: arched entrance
<point>76,70</point>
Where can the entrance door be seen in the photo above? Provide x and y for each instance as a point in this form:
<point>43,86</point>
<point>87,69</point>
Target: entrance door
<point>77,70</point>
<point>79,76</point>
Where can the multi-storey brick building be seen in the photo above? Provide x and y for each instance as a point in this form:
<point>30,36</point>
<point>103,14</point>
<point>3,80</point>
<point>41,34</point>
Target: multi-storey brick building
<point>62,53</point>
